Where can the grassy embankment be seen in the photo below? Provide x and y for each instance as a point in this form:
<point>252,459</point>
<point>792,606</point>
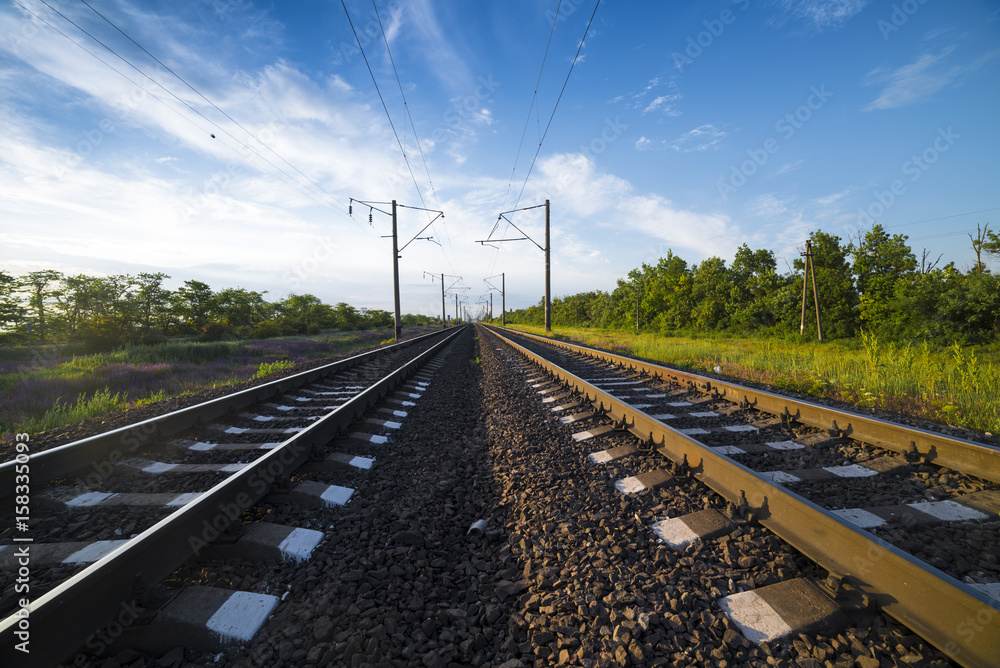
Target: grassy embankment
<point>956,386</point>
<point>55,391</point>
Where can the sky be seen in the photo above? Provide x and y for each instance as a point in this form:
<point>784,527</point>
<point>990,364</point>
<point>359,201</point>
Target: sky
<point>223,140</point>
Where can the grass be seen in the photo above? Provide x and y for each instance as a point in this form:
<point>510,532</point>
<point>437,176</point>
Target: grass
<point>955,386</point>
<point>51,391</point>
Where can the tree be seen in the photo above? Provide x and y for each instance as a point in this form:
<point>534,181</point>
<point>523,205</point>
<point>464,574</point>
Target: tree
<point>711,284</point>
<point>153,300</point>
<point>754,284</point>
<point>239,307</point>
<point>306,313</point>
<point>42,286</point>
<point>192,303</point>
<point>79,301</point>
<point>985,241</point>
<point>11,311</point>
<point>880,261</point>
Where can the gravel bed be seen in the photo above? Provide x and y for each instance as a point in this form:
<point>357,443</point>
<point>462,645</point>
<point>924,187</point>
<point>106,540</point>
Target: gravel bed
<point>965,550</point>
<point>600,591</point>
<point>568,572</point>
<point>922,483</point>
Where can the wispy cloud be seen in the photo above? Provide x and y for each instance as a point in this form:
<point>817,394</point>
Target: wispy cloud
<point>701,138</point>
<point>665,95</point>
<point>920,80</point>
<point>662,104</point>
<point>789,167</point>
<point>820,14</point>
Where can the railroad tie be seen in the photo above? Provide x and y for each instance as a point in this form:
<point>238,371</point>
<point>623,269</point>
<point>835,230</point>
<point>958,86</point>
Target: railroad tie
<point>200,617</point>
<point>867,469</point>
<point>959,509</point>
<point>679,532</point>
<point>605,456</point>
<point>45,554</point>
<point>591,433</point>
<point>787,608</point>
<point>269,541</point>
<point>643,481</point>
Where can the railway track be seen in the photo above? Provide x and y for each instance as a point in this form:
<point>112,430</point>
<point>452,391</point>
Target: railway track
<point>870,501</point>
<point>114,515</point>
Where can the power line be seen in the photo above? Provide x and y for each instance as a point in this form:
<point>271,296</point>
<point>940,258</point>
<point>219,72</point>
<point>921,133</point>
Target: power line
<point>534,96</point>
<point>932,220</point>
<point>384,107</point>
<point>405,105</point>
<point>561,91</point>
<point>169,92</point>
<point>199,93</point>
<point>554,108</point>
<point>416,138</point>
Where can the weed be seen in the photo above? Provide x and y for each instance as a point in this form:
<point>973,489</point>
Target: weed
<point>955,385</point>
<point>267,368</point>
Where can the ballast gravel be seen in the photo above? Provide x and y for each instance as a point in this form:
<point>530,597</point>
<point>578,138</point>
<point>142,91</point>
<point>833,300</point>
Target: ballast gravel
<point>567,572</point>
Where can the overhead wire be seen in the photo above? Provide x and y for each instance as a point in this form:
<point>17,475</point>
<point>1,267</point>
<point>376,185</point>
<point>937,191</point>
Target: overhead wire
<point>416,137</point>
<point>202,96</point>
<point>534,96</point>
<point>558,99</point>
<point>384,107</point>
<point>524,131</point>
<point>219,128</point>
<point>554,108</point>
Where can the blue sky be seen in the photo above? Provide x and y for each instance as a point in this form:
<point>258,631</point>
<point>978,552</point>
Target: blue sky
<point>691,126</point>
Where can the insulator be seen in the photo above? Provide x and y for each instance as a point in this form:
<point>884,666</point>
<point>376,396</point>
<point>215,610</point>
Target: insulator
<point>369,217</point>
<point>350,209</point>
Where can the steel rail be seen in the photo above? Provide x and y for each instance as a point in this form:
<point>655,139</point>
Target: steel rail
<point>959,454</point>
<point>962,622</point>
<point>62,619</point>
<point>104,450</point>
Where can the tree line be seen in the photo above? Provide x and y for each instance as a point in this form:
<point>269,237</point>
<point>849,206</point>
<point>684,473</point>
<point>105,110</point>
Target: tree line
<point>104,312</point>
<point>873,283</point>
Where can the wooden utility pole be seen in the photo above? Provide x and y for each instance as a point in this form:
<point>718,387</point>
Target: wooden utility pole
<point>810,269</point>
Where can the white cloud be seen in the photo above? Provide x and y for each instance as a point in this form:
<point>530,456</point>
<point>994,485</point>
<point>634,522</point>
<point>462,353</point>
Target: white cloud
<point>789,167</point>
<point>920,80</point>
<point>822,14</point>
<point>661,103</point>
<point>701,138</point>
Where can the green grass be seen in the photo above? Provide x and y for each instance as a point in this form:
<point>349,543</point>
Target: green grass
<point>267,368</point>
<point>45,391</point>
<point>956,386</point>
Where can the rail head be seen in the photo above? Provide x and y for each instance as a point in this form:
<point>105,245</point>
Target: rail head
<point>977,459</point>
<point>69,613</point>
<point>109,447</point>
